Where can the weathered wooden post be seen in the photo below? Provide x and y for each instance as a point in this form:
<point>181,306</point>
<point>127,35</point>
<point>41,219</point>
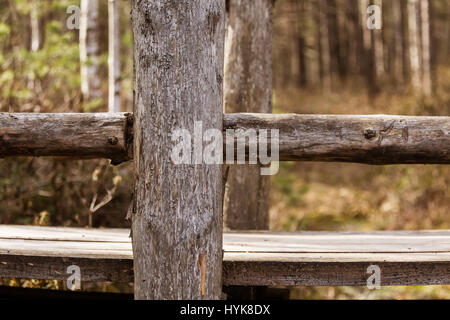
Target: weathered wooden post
<point>177,215</point>
<point>248,88</point>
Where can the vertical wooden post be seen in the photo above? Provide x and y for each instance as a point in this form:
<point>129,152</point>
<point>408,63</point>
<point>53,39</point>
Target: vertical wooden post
<point>248,88</point>
<point>177,215</point>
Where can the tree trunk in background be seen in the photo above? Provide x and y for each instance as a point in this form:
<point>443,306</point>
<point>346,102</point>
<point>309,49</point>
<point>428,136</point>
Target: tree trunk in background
<point>426,47</point>
<point>89,50</point>
<point>406,65</point>
<point>434,43</point>
<point>378,45</point>
<point>113,56</point>
<point>301,45</point>
<point>336,65</point>
<point>323,45</point>
<point>414,57</point>
<point>369,52</point>
<point>35,30</point>
<point>396,57</point>
<point>248,88</point>
<point>353,36</point>
<point>177,210</point>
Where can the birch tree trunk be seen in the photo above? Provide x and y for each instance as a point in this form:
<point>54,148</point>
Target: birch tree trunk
<point>426,47</point>
<point>35,30</point>
<point>177,210</point>
<point>113,56</point>
<point>248,88</point>
<point>414,57</point>
<point>89,50</point>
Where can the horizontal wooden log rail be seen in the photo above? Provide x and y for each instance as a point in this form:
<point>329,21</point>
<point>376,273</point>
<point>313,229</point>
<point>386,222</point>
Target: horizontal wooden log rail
<point>76,135</point>
<point>371,139</point>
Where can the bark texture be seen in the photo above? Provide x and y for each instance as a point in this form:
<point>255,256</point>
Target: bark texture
<point>177,218</point>
<point>89,50</point>
<point>372,139</point>
<point>80,135</point>
<point>248,88</point>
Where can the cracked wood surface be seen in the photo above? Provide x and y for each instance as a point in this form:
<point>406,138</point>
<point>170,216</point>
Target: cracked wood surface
<point>178,80</point>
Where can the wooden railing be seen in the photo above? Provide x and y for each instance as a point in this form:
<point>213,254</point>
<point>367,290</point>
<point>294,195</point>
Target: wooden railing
<point>371,139</point>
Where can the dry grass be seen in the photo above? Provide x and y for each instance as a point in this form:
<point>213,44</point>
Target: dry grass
<point>340,196</point>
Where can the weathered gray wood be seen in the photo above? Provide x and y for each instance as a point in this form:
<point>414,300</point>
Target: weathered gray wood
<point>371,139</point>
<point>55,268</point>
<point>177,223</point>
<point>250,258</point>
<point>334,273</point>
<point>80,135</point>
<point>248,88</point>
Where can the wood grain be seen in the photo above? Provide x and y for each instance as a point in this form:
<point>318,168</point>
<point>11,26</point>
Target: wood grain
<point>250,258</point>
<point>371,139</point>
<point>248,88</point>
<point>77,135</point>
<point>178,80</point>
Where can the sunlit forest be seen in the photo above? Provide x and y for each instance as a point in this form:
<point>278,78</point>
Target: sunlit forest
<point>325,61</point>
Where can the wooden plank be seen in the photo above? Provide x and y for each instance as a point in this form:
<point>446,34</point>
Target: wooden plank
<point>400,241</point>
<point>250,258</point>
<point>371,139</point>
<point>319,273</point>
<point>55,268</point>
<point>63,233</point>
<point>255,241</point>
<point>76,135</point>
<point>79,249</point>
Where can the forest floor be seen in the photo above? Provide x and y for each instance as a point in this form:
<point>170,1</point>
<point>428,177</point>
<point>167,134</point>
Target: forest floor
<point>340,196</point>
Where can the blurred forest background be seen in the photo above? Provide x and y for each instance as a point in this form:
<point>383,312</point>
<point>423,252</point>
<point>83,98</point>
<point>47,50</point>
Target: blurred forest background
<point>325,60</point>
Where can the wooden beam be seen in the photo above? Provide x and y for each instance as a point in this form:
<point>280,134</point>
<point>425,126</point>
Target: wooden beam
<point>371,139</point>
<point>77,135</point>
<point>250,258</point>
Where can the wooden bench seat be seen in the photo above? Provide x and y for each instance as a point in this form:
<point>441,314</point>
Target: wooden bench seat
<point>250,258</point>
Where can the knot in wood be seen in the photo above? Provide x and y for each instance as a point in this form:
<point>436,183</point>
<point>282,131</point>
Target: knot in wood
<point>113,140</point>
<point>370,133</point>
